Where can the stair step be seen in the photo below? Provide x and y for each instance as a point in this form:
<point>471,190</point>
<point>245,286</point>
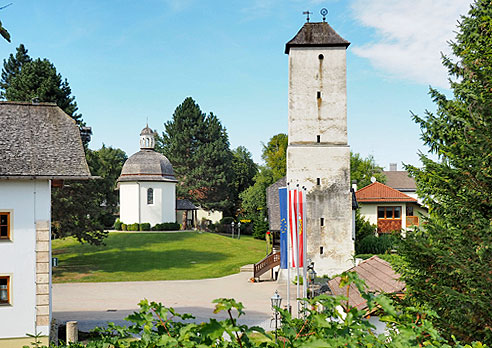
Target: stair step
<point>247,268</point>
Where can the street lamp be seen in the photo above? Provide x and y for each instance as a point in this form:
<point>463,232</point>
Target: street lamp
<point>232,229</point>
<point>311,273</point>
<point>239,230</point>
<point>276,301</point>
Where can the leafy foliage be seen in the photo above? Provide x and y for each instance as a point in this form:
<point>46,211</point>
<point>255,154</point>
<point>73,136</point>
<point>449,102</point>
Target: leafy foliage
<point>244,170</point>
<point>83,209</point>
<point>275,155</point>
<point>24,79</point>
<point>372,244</point>
<point>198,147</point>
<point>362,169</point>
<point>363,228</point>
<point>448,261</point>
<point>328,321</point>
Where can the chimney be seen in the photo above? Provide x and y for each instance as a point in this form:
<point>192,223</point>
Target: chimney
<point>393,167</point>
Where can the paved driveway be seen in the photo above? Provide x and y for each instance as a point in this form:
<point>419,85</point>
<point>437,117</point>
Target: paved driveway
<point>93,304</point>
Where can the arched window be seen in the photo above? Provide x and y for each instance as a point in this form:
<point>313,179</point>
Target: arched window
<point>150,196</point>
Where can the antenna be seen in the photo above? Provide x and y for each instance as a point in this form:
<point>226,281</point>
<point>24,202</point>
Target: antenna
<point>307,13</point>
<point>323,12</point>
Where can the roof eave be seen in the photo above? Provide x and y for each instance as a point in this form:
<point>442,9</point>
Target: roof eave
<point>49,177</point>
<point>288,45</point>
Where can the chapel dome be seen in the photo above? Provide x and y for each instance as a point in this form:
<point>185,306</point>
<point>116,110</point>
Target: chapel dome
<point>147,165</point>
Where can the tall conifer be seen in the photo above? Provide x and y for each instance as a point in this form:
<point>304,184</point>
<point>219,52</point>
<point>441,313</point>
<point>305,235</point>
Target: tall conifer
<point>449,261</point>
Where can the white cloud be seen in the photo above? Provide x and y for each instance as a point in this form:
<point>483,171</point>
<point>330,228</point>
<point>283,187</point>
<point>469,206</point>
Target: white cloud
<point>410,36</point>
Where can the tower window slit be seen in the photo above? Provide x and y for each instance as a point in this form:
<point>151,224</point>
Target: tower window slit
<point>321,250</point>
<point>318,181</point>
<point>322,221</point>
<point>318,138</point>
<point>318,94</point>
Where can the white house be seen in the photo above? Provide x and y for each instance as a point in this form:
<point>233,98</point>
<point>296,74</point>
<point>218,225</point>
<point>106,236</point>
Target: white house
<point>38,143</point>
<point>147,185</point>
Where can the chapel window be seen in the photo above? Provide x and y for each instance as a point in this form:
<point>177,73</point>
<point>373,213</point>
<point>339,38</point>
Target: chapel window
<point>150,196</point>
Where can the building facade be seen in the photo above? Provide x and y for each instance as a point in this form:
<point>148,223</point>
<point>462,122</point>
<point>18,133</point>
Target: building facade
<point>147,185</point>
<point>38,144</point>
<point>318,155</point>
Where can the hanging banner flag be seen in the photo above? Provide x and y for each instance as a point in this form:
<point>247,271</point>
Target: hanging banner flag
<point>282,199</point>
<point>301,222</point>
<point>293,224</point>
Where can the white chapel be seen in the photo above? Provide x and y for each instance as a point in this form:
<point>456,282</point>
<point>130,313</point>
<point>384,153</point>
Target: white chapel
<point>147,185</point>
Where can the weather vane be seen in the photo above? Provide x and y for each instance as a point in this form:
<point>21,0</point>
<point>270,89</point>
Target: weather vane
<point>307,13</point>
<point>323,12</point>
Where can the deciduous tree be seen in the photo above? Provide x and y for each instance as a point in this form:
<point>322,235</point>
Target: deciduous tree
<point>362,169</point>
<point>448,261</point>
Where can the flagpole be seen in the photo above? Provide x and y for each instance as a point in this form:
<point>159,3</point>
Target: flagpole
<point>296,202</point>
<point>304,237</point>
<point>288,248</point>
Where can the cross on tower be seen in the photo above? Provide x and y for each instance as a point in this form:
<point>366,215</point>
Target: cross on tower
<point>307,13</point>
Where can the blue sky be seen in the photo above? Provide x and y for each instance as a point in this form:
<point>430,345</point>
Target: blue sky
<point>127,61</point>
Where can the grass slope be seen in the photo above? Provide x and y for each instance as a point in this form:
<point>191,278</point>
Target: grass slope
<point>154,256</point>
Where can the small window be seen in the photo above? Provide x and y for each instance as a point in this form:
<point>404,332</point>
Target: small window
<point>322,221</point>
<point>150,196</point>
<point>318,181</point>
<point>393,213</point>
<point>410,211</point>
<point>397,213</point>
<point>321,57</point>
<point>318,95</point>
<point>380,212</point>
<point>4,290</point>
<point>318,138</point>
<point>4,225</point>
<point>321,250</point>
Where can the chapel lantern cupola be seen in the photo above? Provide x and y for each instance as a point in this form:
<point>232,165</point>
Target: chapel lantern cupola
<point>147,141</point>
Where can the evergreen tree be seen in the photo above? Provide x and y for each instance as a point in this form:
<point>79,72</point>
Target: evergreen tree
<point>198,147</point>
<point>24,79</point>
<point>448,261</point>
<point>12,68</point>
<point>244,170</point>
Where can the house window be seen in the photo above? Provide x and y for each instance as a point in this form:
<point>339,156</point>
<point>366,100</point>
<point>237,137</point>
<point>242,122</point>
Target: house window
<point>389,219</point>
<point>4,290</point>
<point>150,196</point>
<point>4,225</point>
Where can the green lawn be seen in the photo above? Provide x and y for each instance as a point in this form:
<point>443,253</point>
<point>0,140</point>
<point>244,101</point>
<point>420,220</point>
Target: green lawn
<point>154,256</point>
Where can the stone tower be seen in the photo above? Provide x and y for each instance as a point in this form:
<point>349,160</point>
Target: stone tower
<point>318,155</point>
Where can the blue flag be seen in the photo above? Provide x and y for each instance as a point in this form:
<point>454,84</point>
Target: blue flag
<point>282,195</point>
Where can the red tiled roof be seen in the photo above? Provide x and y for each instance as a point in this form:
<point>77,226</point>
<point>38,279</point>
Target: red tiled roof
<point>377,192</point>
<point>379,278</point>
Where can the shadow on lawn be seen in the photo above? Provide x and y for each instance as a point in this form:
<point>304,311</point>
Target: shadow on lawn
<point>134,261</point>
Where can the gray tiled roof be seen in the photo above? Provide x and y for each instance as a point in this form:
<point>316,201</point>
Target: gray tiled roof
<point>39,140</point>
<point>147,165</point>
<point>400,180</point>
<point>316,35</point>
<point>185,204</point>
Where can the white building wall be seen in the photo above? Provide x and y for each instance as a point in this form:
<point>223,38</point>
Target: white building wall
<point>129,197</point>
<point>162,210</point>
<point>28,201</point>
<point>164,207</point>
<point>318,149</point>
<point>212,215</point>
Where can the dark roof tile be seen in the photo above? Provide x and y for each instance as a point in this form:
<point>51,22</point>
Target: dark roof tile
<point>316,35</point>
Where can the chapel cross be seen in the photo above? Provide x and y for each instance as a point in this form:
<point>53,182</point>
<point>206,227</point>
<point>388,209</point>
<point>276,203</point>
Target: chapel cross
<point>307,13</point>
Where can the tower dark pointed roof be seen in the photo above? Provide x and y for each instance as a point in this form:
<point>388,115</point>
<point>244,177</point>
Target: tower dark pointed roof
<point>316,35</point>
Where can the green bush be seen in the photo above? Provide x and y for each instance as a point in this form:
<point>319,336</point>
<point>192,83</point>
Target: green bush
<point>133,227</point>
<point>328,321</point>
<point>376,245</point>
<point>124,227</point>
<point>166,226</point>
<point>226,220</point>
<point>117,225</point>
<point>145,226</point>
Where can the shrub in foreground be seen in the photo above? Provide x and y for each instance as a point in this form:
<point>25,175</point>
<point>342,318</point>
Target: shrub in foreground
<point>328,322</point>
<point>166,226</point>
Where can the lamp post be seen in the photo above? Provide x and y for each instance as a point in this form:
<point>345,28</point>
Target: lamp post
<point>311,276</point>
<point>276,301</point>
<point>239,230</point>
<point>232,229</point>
